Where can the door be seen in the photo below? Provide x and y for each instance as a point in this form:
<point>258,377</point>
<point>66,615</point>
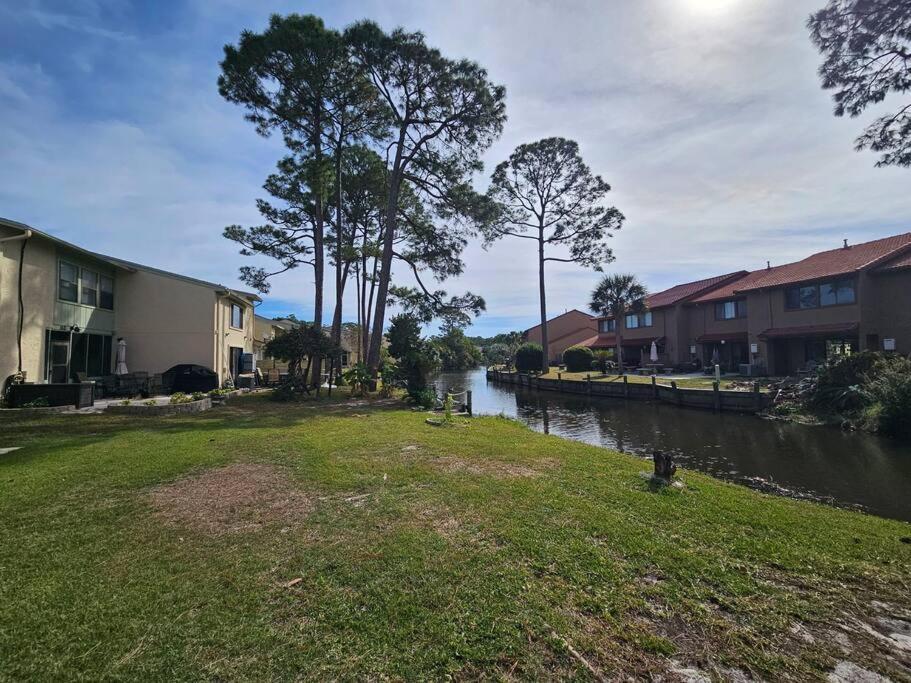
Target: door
<point>235,354</point>
<point>59,364</point>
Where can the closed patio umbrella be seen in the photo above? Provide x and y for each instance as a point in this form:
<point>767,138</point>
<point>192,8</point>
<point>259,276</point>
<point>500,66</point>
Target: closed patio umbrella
<point>121,368</point>
<point>716,358</point>
<point>653,354</point>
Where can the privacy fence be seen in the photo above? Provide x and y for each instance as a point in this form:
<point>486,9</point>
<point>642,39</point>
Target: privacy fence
<point>709,399</point>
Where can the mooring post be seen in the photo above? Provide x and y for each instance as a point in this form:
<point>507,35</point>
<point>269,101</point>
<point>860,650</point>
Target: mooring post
<point>676,392</point>
<point>758,396</point>
<point>716,395</point>
<point>559,381</point>
<point>625,386</point>
<point>588,383</point>
<point>654,387</point>
<point>468,402</point>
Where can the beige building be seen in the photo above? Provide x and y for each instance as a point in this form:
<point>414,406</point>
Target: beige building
<point>63,309</point>
<point>265,329</point>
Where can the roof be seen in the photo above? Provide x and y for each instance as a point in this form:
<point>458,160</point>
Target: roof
<point>572,311</point>
<point>599,341</point>
<point>128,266</point>
<point>686,291</point>
<point>900,263</point>
<point>808,330</point>
<point>834,262</point>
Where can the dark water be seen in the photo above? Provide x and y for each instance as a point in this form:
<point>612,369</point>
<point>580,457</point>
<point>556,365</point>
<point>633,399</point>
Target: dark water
<point>848,469</point>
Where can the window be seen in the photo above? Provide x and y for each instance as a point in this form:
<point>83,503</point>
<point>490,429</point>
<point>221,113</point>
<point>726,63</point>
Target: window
<point>607,325</point>
<point>237,316</point>
<point>728,310</point>
<point>345,359</point>
<point>68,283</point>
<point>88,288</point>
<point>106,293</point>
<point>832,293</point>
<point>635,320</point>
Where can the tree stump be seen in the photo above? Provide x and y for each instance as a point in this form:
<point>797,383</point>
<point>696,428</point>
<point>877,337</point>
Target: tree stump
<point>664,465</point>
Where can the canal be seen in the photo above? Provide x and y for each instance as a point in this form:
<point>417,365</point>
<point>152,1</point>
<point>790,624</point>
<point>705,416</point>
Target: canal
<point>824,463</point>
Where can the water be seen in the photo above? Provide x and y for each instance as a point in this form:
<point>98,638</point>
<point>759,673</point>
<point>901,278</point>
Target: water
<point>846,468</point>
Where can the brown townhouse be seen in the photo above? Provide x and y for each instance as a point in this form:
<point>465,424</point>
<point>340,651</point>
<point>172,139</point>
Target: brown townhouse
<point>563,331</point>
<point>779,319</point>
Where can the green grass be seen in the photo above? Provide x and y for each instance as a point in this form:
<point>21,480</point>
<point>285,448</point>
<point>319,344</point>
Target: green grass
<point>484,550</point>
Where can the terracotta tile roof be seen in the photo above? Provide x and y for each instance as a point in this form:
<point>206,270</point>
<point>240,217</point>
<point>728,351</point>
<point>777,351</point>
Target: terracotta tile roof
<point>572,311</point>
<point>899,263</point>
<point>808,330</point>
<point>679,293</point>
<point>824,264</point>
<point>599,341</point>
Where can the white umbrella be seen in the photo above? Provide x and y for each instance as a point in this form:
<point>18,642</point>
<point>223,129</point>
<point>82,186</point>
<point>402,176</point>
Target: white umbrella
<point>653,355</point>
<point>121,357</point>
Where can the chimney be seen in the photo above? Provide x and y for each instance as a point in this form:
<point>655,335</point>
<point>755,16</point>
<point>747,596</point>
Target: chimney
<point>846,243</point>
<point>768,265</point>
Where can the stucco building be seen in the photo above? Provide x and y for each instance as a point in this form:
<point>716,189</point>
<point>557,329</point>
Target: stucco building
<point>63,308</point>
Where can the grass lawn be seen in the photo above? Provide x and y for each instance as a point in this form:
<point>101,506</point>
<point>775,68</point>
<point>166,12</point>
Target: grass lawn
<point>704,382</point>
<point>352,540</point>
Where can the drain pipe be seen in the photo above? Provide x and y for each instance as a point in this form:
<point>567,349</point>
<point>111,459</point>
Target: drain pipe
<point>25,236</point>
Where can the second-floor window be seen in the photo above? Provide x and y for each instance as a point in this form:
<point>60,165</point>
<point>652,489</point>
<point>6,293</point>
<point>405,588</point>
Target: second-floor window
<point>237,316</point>
<point>635,320</point>
<point>84,286</point>
<point>823,294</point>
<point>607,325</point>
<point>728,310</point>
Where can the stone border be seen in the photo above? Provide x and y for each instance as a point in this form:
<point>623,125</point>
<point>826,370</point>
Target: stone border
<point>25,412</point>
<point>158,410</point>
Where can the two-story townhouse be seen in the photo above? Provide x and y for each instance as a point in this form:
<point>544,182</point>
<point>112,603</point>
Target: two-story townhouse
<point>851,298</point>
<point>63,310</point>
<point>664,322</point>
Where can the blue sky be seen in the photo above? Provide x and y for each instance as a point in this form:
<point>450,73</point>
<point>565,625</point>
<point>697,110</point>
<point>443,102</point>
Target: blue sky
<point>705,116</point>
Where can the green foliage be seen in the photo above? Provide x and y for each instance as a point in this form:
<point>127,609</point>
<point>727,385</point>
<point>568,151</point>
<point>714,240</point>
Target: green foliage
<point>889,391</point>
<point>178,397</point>
<point>615,296</point>
<point>358,376</point>
<point>300,344</point>
<point>389,373</point>
<point>416,358</point>
<point>497,354</point>
<point>602,360</point>
<point>425,397</point>
<point>457,352</point>
<point>40,402</point>
<point>578,358</point>
<point>529,357</point>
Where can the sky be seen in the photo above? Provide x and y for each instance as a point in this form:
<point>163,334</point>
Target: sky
<point>705,116</point>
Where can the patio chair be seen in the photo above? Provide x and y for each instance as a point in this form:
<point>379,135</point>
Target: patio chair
<point>273,377</point>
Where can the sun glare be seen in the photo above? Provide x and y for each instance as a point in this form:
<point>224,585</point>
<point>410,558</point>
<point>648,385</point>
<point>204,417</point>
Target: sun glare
<point>709,6</point>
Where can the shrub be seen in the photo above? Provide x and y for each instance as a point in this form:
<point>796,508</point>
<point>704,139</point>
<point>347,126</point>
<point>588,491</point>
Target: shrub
<point>529,357</point>
<point>180,397</point>
<point>40,402</point>
<point>890,392</point>
<point>602,358</point>
<point>358,376</point>
<point>578,358</point>
<point>426,398</point>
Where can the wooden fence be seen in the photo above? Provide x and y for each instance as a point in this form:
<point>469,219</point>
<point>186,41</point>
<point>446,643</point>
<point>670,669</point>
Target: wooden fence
<point>709,399</point>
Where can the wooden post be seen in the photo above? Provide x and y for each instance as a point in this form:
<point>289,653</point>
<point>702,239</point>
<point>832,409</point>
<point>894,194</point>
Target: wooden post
<point>625,386</point>
<point>559,381</point>
<point>468,402</point>
<point>758,396</point>
<point>716,395</point>
<point>588,384</point>
<point>654,387</point>
<point>676,392</point>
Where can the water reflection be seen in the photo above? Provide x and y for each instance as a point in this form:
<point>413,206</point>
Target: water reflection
<point>849,468</point>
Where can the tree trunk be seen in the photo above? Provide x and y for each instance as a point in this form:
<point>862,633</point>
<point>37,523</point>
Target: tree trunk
<point>318,249</point>
<point>545,362</point>
<point>379,316</point>
<point>339,244</point>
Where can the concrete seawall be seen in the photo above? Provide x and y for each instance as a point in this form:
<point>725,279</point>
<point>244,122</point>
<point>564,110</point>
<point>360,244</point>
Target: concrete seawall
<point>707,399</point>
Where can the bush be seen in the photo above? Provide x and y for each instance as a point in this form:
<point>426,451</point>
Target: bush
<point>426,398</point>
<point>578,358</point>
<point>890,392</point>
<point>529,357</point>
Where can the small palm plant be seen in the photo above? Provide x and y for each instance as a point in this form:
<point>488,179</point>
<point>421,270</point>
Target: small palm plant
<point>358,376</point>
<point>616,296</point>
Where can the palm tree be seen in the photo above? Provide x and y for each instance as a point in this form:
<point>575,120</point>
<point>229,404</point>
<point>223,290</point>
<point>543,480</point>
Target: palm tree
<point>617,295</point>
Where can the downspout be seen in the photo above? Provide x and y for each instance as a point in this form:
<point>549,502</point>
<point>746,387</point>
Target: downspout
<point>21,304</point>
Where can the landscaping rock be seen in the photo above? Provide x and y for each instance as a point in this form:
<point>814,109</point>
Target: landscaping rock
<point>849,672</point>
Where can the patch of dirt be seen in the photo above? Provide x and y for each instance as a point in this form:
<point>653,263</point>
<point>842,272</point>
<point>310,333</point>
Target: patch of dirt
<point>438,518</point>
<point>492,468</point>
<point>231,499</point>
